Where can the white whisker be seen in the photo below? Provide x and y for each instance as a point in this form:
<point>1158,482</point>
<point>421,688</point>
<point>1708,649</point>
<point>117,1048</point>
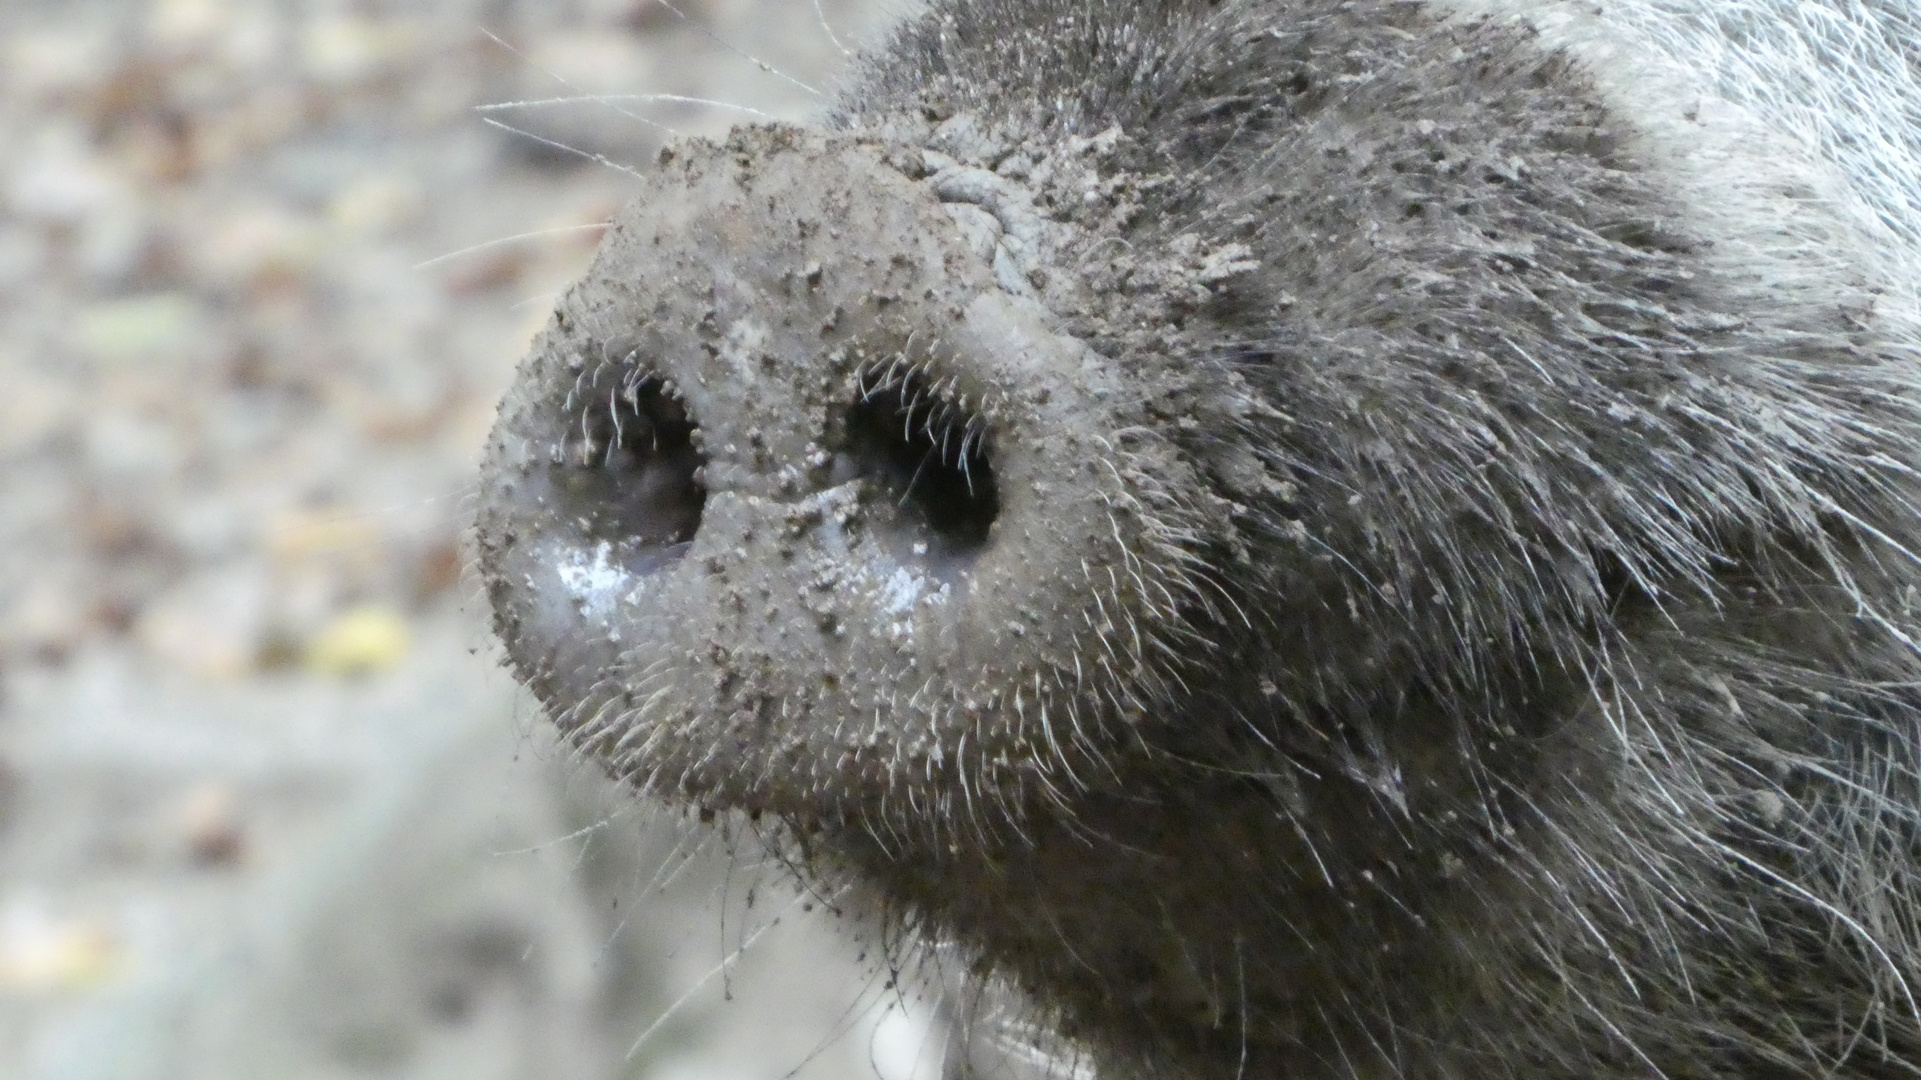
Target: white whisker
<point>535,234</point>
<point>738,51</point>
<point>829,30</point>
<point>608,99</point>
<point>599,159</point>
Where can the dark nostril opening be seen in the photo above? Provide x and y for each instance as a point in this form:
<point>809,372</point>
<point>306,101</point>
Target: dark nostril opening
<point>929,456</point>
<point>631,467</point>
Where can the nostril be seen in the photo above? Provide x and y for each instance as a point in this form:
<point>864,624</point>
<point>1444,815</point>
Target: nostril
<point>929,457</point>
<point>631,466</point>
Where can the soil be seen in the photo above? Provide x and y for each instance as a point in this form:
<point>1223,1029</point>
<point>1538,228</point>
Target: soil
<point>268,805</point>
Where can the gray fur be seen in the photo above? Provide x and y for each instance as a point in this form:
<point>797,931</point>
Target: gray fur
<point>1417,575</point>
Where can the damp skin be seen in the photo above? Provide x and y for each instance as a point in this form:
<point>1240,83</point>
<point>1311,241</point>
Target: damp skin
<point>1301,539</point>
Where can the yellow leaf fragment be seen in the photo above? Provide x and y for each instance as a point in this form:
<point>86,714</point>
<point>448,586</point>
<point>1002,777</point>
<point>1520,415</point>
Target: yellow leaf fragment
<point>358,642</point>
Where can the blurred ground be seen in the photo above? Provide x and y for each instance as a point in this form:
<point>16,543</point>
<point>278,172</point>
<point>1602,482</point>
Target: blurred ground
<point>268,808</point>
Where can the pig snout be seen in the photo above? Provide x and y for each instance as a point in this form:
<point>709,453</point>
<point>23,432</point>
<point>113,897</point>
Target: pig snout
<point>797,506</point>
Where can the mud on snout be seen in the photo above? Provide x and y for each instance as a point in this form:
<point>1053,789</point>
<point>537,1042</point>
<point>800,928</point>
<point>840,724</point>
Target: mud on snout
<point>794,508</point>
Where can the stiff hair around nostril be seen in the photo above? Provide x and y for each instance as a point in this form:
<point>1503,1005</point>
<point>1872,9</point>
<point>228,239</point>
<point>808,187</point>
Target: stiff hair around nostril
<point>630,458</point>
<point>927,456</point>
